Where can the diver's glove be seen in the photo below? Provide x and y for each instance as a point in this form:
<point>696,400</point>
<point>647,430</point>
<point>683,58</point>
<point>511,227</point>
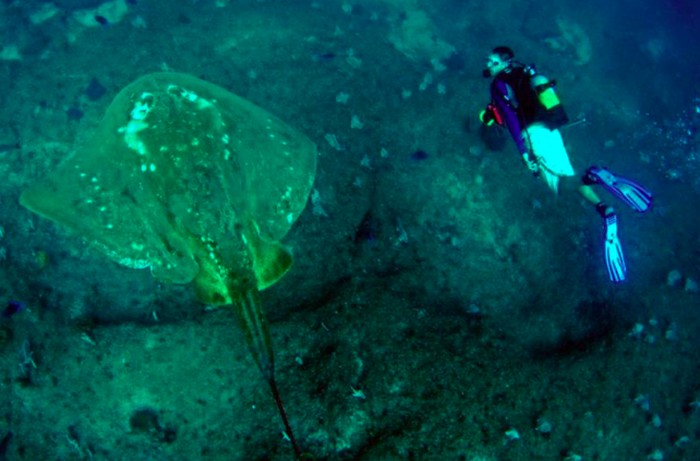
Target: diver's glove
<point>490,115</point>
<point>487,116</point>
<point>531,163</point>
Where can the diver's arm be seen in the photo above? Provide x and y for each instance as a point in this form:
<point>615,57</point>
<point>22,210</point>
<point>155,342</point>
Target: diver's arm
<point>510,117</point>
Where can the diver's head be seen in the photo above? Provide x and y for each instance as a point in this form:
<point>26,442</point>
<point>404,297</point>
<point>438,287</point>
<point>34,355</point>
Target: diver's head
<point>499,60</point>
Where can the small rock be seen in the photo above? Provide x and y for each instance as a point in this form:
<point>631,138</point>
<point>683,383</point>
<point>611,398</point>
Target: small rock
<point>332,140</point>
<point>642,401</point>
<point>426,82</point>
<point>682,442</point>
<point>356,123</point>
<point>95,90</point>
<point>74,114</point>
<point>512,435</point>
<point>673,278</point>
<point>544,427</point>
<point>637,331</point>
<point>473,309</point>
<point>342,98</point>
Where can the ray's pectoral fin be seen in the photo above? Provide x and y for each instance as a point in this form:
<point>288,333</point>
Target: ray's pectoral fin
<point>271,260</point>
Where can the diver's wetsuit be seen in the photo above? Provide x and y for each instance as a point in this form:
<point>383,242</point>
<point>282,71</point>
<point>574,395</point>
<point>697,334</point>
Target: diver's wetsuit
<point>506,100</point>
<point>518,105</point>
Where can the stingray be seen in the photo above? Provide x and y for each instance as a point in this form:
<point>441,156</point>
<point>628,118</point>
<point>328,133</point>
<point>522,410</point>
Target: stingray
<point>196,184</point>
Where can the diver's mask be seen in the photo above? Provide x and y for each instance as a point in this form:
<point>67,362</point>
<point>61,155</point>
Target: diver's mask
<point>492,63</point>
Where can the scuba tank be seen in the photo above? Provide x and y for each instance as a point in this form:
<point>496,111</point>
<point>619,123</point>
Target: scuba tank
<point>545,90</point>
<point>546,95</point>
<point>551,110</point>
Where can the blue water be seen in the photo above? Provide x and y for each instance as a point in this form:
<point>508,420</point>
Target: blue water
<point>472,304</point>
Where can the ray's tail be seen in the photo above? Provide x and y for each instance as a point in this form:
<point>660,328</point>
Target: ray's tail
<point>283,414</point>
<point>254,325</point>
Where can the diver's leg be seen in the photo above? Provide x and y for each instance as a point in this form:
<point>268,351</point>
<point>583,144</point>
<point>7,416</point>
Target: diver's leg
<point>590,195</point>
<point>553,159</point>
<point>614,257</point>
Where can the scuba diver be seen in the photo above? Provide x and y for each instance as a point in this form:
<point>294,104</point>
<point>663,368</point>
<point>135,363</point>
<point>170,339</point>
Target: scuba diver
<point>526,103</point>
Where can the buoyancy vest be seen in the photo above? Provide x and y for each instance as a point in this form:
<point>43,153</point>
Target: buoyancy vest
<point>532,103</point>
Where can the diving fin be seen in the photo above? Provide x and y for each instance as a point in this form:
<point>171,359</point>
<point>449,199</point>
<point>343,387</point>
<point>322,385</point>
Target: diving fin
<point>614,258</point>
<point>633,194</point>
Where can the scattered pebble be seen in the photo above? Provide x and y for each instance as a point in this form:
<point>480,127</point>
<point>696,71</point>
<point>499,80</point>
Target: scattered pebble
<point>642,401</point>
<point>426,82</point>
<point>352,60</point>
<point>637,331</point>
<point>139,23</point>
<point>356,123</point>
<point>332,140</point>
<point>682,441</point>
<point>316,202</point>
<point>671,333</point>
<point>74,114</point>
<point>43,13</point>
<point>10,52</point>
<point>95,90</point>
<point>512,435</point>
<point>342,98</point>
<point>544,427</point>
<point>673,278</point>
<point>473,309</point>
